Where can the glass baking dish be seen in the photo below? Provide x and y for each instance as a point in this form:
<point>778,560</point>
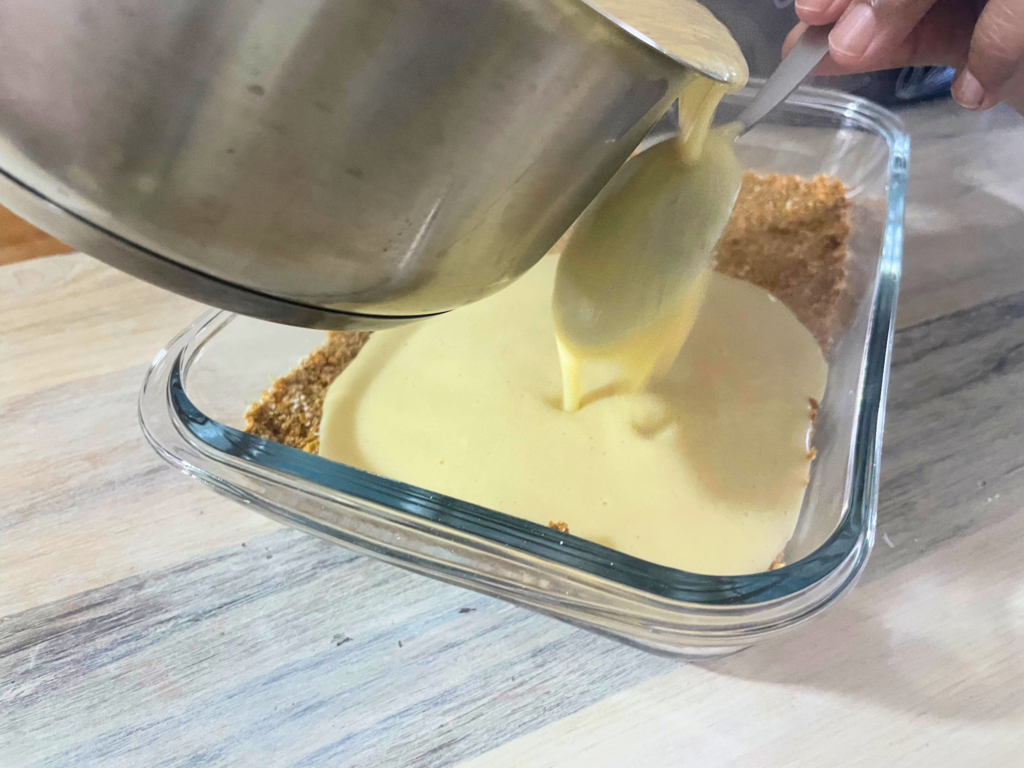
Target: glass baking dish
<point>194,397</point>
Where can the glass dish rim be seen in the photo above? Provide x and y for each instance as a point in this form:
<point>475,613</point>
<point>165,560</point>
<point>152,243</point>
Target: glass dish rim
<point>257,456</point>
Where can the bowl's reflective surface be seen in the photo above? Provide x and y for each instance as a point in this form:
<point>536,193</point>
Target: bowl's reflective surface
<point>326,164</point>
<point>195,395</point>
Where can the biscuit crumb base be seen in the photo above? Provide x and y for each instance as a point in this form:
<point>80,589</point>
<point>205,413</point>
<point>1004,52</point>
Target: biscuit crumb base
<point>289,412</point>
<point>788,235</point>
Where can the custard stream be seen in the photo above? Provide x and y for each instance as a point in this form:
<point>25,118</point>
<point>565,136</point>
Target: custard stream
<point>633,275</point>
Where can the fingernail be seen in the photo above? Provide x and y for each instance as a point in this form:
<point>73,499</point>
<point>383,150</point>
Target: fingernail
<point>854,32</point>
<point>968,91</point>
<point>814,6</point>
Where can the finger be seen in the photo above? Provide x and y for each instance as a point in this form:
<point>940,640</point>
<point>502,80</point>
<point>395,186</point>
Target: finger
<point>868,32</point>
<point>792,37</point>
<point>941,38</point>
<point>818,12</point>
<point>996,54</point>
<point>826,67</point>
<point>1013,92</point>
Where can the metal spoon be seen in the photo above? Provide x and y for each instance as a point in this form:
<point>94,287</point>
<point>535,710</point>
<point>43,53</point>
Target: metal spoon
<point>809,50</point>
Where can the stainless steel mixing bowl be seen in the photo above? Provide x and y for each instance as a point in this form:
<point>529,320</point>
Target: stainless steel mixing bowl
<point>327,163</point>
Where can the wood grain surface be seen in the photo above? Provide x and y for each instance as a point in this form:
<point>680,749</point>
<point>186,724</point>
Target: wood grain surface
<point>146,621</point>
<point>20,241</point>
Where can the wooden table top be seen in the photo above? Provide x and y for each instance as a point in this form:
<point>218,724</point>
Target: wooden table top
<point>146,621</point>
<point>20,241</point>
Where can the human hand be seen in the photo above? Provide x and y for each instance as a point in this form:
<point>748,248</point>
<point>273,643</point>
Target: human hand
<point>983,39</point>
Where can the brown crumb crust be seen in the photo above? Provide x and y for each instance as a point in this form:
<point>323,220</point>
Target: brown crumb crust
<point>289,412</point>
<point>559,526</point>
<point>786,235</point>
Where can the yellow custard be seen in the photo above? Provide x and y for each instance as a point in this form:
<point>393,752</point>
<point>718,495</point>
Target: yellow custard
<point>705,471</point>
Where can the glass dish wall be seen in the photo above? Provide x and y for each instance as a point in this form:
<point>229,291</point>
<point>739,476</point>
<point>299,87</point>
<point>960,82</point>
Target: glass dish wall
<point>194,397</point>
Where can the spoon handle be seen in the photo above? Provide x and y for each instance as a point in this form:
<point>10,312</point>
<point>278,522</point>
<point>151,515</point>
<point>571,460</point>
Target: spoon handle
<point>810,49</point>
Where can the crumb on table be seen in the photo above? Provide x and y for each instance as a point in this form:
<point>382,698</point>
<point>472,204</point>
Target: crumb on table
<point>559,526</point>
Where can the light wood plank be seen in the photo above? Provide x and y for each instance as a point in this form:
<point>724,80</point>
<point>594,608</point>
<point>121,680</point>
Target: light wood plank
<point>71,317</point>
<point>87,502</point>
<point>954,442</point>
<point>964,239</point>
<point>290,652</point>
